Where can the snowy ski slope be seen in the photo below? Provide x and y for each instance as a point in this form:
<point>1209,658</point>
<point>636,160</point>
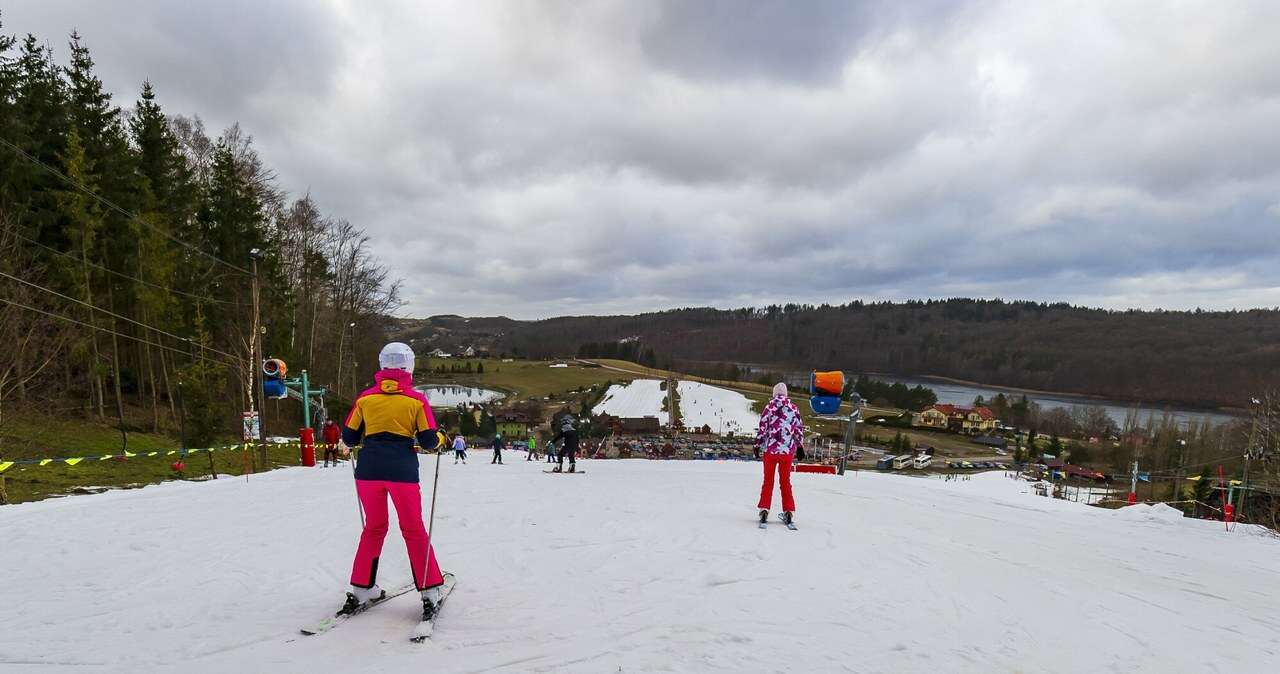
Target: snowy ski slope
<point>638,398</point>
<point>637,566</point>
<point>723,410</point>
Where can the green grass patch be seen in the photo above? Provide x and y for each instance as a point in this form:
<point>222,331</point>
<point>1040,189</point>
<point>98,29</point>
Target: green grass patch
<point>33,435</point>
<point>524,378</point>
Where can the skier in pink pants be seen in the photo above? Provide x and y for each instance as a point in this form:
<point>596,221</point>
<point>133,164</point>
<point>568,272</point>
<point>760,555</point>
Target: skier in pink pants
<point>780,435</point>
<point>385,421</point>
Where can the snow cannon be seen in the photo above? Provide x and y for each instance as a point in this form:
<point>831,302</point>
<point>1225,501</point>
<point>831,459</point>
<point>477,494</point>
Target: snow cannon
<point>825,389</point>
<point>273,373</point>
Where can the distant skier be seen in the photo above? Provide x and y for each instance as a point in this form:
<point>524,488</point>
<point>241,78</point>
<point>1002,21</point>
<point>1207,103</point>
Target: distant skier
<point>570,448</point>
<point>331,434</point>
<point>498,446</point>
<point>780,434</point>
<point>386,419</point>
<point>551,451</point>
<point>532,451</point>
<point>460,450</point>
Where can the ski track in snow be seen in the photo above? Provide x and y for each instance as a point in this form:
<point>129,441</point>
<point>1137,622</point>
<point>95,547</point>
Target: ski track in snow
<point>639,398</point>
<point>725,411</point>
<point>640,566</point>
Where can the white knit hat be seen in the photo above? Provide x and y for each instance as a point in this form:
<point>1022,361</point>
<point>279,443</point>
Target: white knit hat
<point>396,356</point>
<point>780,389</point>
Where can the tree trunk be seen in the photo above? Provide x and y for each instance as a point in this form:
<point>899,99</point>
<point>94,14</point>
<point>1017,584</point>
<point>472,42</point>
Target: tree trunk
<point>151,376</point>
<point>115,366</point>
<point>96,385</point>
<point>168,386</point>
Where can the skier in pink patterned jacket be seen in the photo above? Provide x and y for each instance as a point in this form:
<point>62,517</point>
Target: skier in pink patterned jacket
<point>779,436</point>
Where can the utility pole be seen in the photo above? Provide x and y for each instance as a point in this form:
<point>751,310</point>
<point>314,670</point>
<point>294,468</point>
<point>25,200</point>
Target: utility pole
<point>1133,484</point>
<point>255,361</point>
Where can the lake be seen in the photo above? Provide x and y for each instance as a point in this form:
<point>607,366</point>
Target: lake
<point>951,393</point>
<point>451,396</point>
<point>963,394</point>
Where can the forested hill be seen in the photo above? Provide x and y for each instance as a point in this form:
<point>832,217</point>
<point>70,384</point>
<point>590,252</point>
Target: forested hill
<point>135,248</point>
<point>1218,358</point>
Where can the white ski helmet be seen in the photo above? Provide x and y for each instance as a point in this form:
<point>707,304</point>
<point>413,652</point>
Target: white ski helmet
<point>396,356</point>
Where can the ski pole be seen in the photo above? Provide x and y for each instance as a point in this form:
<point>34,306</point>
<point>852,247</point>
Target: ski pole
<point>352,460</point>
<point>435,485</point>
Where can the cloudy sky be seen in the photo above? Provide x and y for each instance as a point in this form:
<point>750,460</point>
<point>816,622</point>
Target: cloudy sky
<point>544,158</point>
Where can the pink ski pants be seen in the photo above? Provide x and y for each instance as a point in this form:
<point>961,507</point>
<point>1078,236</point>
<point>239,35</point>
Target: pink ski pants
<point>407,498</point>
<point>781,463</point>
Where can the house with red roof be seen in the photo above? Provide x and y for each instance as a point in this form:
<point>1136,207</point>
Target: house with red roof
<point>970,420</point>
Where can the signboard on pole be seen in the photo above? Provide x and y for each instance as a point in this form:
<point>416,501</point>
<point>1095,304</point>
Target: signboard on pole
<point>252,425</point>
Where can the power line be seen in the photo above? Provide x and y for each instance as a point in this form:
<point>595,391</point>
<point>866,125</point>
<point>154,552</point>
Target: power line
<point>123,275</point>
<point>119,209</point>
<point>109,313</point>
<point>234,365</point>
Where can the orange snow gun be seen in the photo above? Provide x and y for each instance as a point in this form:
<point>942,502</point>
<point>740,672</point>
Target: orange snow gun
<point>274,371</point>
<point>825,389</point>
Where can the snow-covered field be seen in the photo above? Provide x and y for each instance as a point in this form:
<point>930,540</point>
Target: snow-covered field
<point>636,566</point>
<point>639,398</point>
<point>723,410</point>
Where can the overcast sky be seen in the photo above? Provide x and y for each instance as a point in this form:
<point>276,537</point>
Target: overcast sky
<point>543,158</point>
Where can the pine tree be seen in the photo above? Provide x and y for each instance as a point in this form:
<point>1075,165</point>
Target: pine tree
<point>167,201</point>
<point>41,127</point>
<point>467,424</point>
<point>83,222</point>
<point>97,123</point>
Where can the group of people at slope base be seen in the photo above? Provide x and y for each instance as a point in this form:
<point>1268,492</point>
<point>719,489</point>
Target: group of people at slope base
<point>567,434</point>
<point>388,418</point>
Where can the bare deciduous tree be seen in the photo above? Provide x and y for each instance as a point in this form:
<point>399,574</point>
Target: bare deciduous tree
<point>32,340</point>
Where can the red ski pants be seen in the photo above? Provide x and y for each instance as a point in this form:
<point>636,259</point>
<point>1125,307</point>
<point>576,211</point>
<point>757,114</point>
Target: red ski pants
<point>407,498</point>
<point>782,464</point>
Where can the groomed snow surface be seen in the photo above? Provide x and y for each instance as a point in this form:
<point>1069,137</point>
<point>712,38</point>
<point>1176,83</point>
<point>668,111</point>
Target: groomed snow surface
<point>636,566</point>
<point>723,410</point>
<point>638,398</point>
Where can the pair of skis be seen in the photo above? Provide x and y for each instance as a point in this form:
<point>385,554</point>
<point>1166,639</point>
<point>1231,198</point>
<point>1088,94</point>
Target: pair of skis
<point>781,518</point>
<point>420,632</point>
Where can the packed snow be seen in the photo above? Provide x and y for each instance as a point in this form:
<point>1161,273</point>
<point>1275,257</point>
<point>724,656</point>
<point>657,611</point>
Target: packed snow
<point>723,410</point>
<point>637,566</point>
<point>635,399</point>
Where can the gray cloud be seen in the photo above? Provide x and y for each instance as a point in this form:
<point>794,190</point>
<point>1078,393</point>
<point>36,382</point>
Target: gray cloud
<point>545,158</point>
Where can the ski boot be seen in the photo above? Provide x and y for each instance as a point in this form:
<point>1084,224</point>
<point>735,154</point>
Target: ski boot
<point>786,518</point>
<point>557,469</point>
<point>764,516</point>
<point>430,603</point>
<point>359,597</point>
<point>573,468</point>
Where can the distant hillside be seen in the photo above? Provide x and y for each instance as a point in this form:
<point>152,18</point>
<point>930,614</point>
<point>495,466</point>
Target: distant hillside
<point>1200,357</point>
<point>453,333</point>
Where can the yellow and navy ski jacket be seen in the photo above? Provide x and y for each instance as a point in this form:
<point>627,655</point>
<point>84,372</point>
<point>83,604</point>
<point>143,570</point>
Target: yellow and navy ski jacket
<point>385,420</point>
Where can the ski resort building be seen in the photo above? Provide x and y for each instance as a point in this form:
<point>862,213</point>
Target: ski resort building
<point>514,424</point>
<point>956,419</point>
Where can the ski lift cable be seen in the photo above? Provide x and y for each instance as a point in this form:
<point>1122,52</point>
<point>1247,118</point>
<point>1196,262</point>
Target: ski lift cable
<point>110,313</point>
<point>119,209</point>
<point>126,276</point>
<point>219,361</point>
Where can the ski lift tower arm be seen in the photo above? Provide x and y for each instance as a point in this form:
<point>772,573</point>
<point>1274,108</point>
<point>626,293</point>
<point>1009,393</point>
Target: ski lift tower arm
<point>300,389</point>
